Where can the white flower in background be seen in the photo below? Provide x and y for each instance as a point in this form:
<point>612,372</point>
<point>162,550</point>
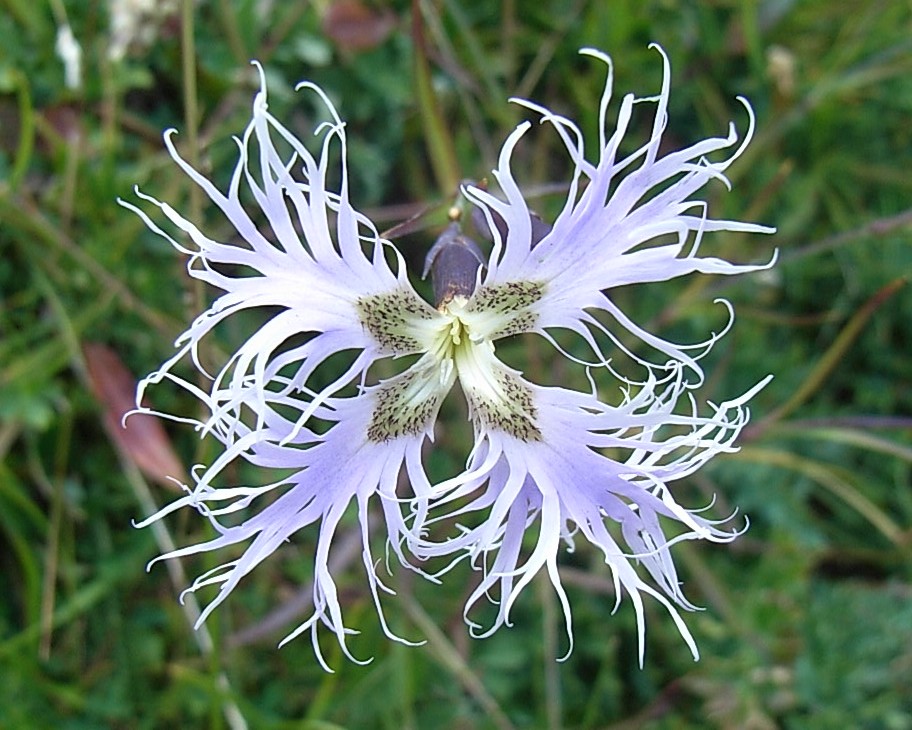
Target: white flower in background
<point>548,459</point>
<point>70,53</point>
<point>136,23</point>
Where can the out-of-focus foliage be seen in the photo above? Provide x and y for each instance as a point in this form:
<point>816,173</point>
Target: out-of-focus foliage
<point>807,622</point>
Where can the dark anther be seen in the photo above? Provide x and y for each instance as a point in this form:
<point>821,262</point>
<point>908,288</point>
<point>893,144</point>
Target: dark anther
<point>454,261</point>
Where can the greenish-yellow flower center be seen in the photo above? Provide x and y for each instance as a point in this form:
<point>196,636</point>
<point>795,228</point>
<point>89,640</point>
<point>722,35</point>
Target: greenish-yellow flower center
<point>457,343</point>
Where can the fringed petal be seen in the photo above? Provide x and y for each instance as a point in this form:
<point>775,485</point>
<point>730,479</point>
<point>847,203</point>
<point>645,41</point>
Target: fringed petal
<point>574,480</point>
<point>614,232</point>
<point>314,272</point>
<point>327,474</point>
<point>315,267</point>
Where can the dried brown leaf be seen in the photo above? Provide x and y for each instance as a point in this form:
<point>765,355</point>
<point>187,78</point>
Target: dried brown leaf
<point>354,26</point>
<point>142,439</point>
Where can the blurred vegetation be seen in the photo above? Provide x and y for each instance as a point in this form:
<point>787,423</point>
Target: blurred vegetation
<point>808,620</point>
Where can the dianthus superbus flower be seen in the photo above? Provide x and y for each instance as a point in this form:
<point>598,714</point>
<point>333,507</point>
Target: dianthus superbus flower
<point>549,462</point>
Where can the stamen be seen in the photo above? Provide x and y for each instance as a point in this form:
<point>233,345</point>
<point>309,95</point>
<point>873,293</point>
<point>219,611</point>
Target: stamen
<point>455,330</point>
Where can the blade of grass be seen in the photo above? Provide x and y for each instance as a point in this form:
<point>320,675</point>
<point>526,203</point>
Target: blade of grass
<point>439,142</point>
<point>482,69</point>
<point>191,122</point>
<point>52,546</point>
<point>847,436</point>
<point>80,603</point>
<point>26,145</point>
<point>22,213</point>
<point>228,16</point>
<point>447,656</point>
<point>872,229</point>
<point>550,667</point>
<point>471,97</point>
<point>833,482</point>
<point>20,518</point>
<point>547,49</point>
<point>833,356</point>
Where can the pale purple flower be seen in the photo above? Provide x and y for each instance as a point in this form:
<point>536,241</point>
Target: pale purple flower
<point>550,460</point>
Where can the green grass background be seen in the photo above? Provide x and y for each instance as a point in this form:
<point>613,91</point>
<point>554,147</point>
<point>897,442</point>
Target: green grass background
<point>808,617</point>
